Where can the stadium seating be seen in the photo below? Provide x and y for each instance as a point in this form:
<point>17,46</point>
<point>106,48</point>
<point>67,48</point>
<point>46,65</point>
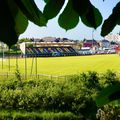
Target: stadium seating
<point>50,51</point>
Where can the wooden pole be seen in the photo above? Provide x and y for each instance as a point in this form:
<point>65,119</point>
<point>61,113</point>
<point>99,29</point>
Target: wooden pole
<point>32,65</point>
<point>25,63</point>
<point>36,62</point>
<point>2,54</point>
<point>9,59</point>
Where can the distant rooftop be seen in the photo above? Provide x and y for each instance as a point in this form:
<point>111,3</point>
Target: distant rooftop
<point>104,40</point>
<point>113,37</point>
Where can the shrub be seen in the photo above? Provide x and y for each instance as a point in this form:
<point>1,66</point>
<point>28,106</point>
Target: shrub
<point>75,94</point>
<point>108,112</point>
<point>109,78</point>
<point>5,115</point>
<point>22,115</point>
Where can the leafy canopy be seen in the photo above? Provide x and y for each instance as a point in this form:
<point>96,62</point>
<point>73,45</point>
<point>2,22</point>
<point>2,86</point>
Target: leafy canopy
<point>16,13</point>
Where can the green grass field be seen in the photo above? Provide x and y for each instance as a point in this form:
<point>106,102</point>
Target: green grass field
<point>64,65</point>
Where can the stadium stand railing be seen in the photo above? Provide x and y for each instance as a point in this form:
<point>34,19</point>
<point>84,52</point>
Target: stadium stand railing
<point>50,51</point>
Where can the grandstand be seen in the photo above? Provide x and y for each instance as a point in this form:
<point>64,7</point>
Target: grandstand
<point>42,49</point>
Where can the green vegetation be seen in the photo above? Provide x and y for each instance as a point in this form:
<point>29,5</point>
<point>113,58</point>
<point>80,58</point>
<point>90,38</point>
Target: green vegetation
<point>83,9</point>
<point>17,97</point>
<point>23,115</point>
<point>24,40</point>
<point>70,99</point>
<point>65,65</point>
<point>81,94</point>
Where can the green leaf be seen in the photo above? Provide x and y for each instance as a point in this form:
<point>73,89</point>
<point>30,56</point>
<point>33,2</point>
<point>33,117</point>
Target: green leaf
<point>108,25</point>
<point>31,11</point>
<point>92,18</point>
<point>20,19</point>
<point>12,22</point>
<point>118,21</point>
<point>52,8</point>
<point>116,12</point>
<point>112,21</point>
<point>116,8</point>
<point>108,95</point>
<point>81,6</point>
<point>46,1</point>
<point>69,18</point>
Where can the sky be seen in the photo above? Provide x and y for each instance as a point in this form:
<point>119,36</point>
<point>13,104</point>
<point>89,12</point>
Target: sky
<point>78,33</point>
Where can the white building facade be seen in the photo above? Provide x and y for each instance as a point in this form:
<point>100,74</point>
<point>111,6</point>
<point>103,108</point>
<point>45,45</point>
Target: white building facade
<point>113,37</point>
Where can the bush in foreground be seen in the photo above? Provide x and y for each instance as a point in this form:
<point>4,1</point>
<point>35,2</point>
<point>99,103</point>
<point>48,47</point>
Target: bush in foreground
<point>75,94</point>
<point>17,115</point>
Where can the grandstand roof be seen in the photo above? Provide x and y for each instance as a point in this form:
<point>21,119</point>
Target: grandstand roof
<point>45,44</point>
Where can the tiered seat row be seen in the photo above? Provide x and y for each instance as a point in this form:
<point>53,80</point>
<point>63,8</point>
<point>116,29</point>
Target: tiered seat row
<point>50,51</point>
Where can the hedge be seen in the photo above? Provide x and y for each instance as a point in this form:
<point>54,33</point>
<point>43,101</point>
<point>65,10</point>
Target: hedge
<point>22,115</point>
<point>76,94</point>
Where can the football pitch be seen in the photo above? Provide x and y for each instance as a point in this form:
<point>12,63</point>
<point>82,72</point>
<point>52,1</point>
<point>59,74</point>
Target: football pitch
<point>63,65</point>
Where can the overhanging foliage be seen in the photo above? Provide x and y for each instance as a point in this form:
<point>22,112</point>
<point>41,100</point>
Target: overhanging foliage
<point>16,13</point>
<point>109,94</point>
<point>14,18</point>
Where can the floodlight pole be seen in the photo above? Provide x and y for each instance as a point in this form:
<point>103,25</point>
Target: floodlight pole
<point>92,37</point>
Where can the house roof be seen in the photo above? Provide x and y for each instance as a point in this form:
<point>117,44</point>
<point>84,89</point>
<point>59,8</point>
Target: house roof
<point>104,40</point>
<point>90,41</point>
